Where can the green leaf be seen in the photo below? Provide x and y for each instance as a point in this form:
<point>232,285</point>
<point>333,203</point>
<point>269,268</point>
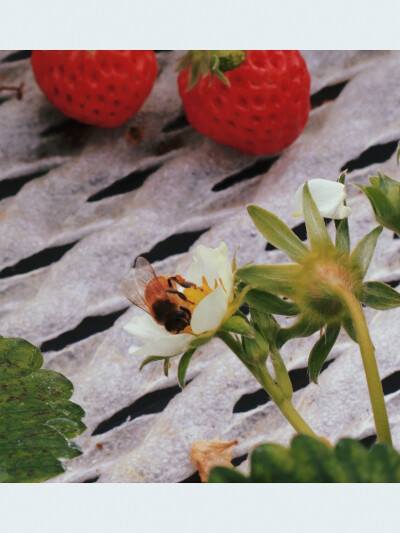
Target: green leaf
<point>378,295</point>
<point>309,460</point>
<point>362,254</point>
<point>277,233</point>
<point>270,303</point>
<point>271,278</point>
<point>302,328</point>
<point>236,324</point>
<point>183,366</point>
<point>36,418</point>
<point>384,464</point>
<point>316,229</point>
<point>222,474</point>
<point>321,350</point>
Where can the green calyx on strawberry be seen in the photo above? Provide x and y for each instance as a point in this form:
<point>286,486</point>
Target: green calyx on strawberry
<point>213,62</point>
<point>98,87</point>
<point>259,105</point>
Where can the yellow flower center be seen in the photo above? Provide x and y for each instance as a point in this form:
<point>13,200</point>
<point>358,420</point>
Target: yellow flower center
<point>195,294</point>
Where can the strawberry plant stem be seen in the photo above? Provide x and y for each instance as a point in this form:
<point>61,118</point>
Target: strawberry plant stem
<point>262,375</point>
<point>370,367</point>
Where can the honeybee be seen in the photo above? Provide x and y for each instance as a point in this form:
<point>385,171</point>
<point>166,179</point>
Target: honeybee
<point>159,296</point>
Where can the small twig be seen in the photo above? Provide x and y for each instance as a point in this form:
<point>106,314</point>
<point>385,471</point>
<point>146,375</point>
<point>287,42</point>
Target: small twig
<point>18,89</point>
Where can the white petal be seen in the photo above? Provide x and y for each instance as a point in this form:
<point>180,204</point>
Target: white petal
<point>213,263</point>
<point>209,313</point>
<point>329,197</point>
<point>164,346</point>
<point>145,328</point>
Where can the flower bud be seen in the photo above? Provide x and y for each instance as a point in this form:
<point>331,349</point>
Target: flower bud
<point>384,195</point>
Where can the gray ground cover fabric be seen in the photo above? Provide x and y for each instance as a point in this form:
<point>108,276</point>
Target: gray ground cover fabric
<point>73,163</point>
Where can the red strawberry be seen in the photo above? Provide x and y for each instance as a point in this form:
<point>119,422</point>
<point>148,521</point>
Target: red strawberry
<point>100,87</point>
<point>262,106</point>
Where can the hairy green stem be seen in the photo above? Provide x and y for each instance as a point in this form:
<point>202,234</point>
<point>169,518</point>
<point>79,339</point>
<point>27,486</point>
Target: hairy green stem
<point>370,367</point>
<point>262,375</point>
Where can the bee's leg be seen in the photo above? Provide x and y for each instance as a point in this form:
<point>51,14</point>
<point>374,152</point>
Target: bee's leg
<point>181,281</point>
<point>186,310</point>
<point>180,294</point>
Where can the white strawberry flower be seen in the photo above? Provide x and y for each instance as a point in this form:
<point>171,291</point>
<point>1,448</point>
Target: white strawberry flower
<point>210,270</point>
<point>329,197</point>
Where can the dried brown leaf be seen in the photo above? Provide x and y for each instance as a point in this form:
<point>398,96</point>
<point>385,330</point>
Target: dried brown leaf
<point>207,454</point>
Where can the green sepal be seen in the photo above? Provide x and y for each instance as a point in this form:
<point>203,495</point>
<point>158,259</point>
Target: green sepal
<point>265,328</point>
<point>200,341</point>
<point>270,303</point>
<point>227,59</point>
<point>377,198</point>
<point>216,71</point>
<point>316,230</point>
<point>152,359</point>
<point>166,366</point>
<point>233,343</point>
<point>342,178</point>
<point>302,328</point>
<point>264,323</point>
<point>342,241</point>
<point>237,324</point>
<point>385,184</point>
<point>255,348</point>
<point>378,295</point>
<point>195,71</point>
<point>277,233</point>
<point>278,279</point>
<point>348,326</point>
<point>183,366</point>
<point>398,154</point>
<point>361,256</point>
<point>321,350</point>
<point>234,261</point>
<point>36,417</point>
<point>309,460</point>
<point>213,62</point>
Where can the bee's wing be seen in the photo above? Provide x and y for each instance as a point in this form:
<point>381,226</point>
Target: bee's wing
<point>135,290</point>
<point>131,291</point>
<point>144,273</point>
